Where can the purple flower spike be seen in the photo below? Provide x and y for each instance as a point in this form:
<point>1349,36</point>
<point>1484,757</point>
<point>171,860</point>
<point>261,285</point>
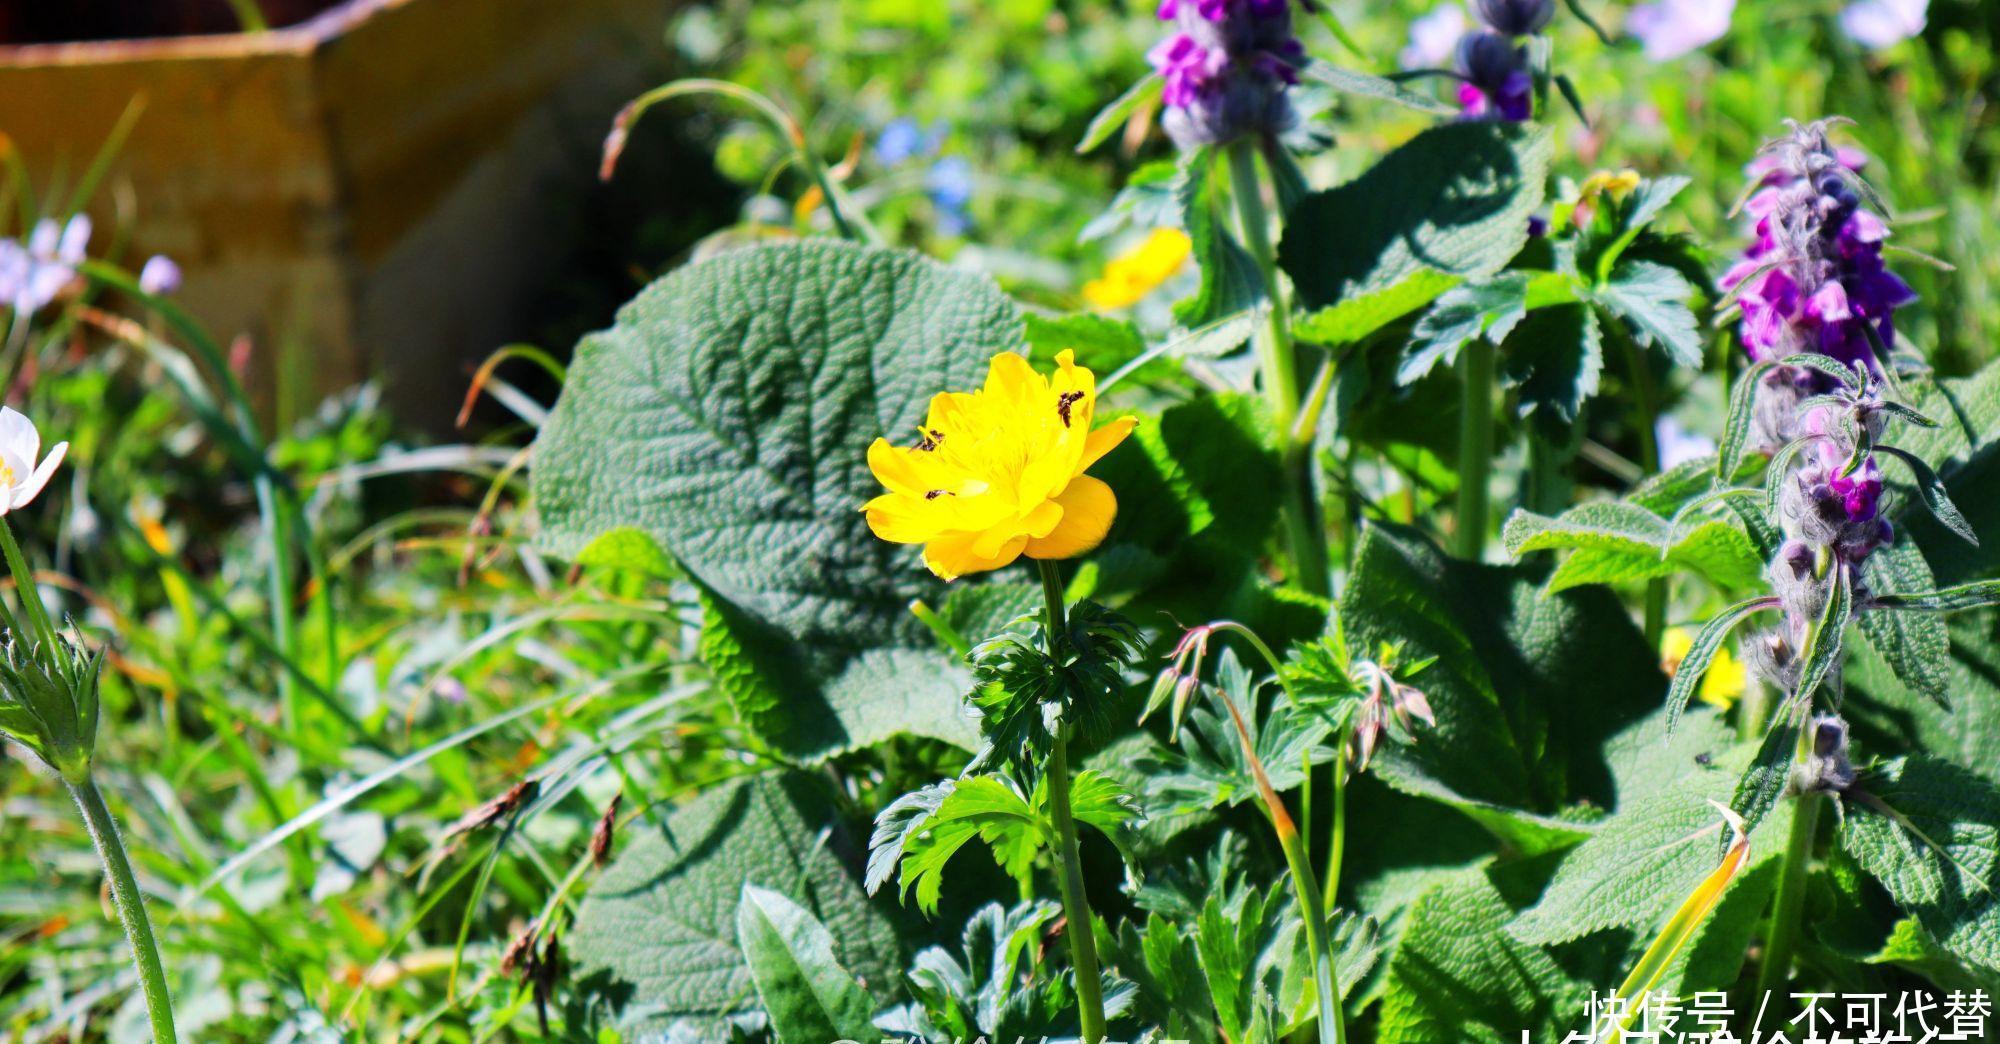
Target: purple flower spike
<point>1226,69</point>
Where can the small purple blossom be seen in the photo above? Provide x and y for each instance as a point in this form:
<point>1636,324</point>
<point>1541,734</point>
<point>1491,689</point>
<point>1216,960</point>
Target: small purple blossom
<point>902,140</point>
<point>33,275</point>
<point>1668,29</point>
<point>160,276</point>
<point>1814,280</point>
<point>1876,24</point>
<point>1433,38</point>
<point>1226,69</point>
<point>949,185</point>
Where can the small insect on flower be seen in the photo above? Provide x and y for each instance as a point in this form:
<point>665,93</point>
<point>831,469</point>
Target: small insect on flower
<point>21,479</point>
<point>999,473</point>
<point>1137,272</point>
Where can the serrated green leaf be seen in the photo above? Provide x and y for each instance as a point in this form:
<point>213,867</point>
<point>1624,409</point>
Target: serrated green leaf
<point>1742,415</point>
<point>809,997</point>
<point>1763,783</point>
<point>1525,688</point>
<point>1451,204</point>
<point>1931,835</point>
<point>1459,977</point>
<point>659,923</point>
<point>1889,714</point>
<point>1654,300</point>
<point>727,414</point>
<point>1701,652</point>
<point>628,548</point>
<point>1553,359</point>
<point>1472,310</point>
<point>1914,644</point>
<point>1931,489</point>
<point>1616,541</point>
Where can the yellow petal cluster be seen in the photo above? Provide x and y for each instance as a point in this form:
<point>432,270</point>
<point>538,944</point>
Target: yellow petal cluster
<point>999,473</point>
<point>1130,276</point>
<point>1616,184</point>
<point>1726,679</point>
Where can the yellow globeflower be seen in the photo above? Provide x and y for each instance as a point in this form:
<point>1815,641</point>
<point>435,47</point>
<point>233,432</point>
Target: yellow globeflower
<point>1726,679</point>
<point>1130,276</point>
<point>999,473</point>
<point>1617,184</point>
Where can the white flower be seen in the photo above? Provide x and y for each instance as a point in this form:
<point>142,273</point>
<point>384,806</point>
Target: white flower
<point>1876,24</point>
<point>20,478</point>
<point>1671,28</point>
<point>1434,38</point>
<point>33,275</point>
<point>160,276</point>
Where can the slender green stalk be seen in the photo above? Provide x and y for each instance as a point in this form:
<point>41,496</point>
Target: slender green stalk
<point>1646,401</point>
<point>1336,845</point>
<point>131,904</point>
<point>1781,939</point>
<point>1069,877</point>
<point>1332,1021</point>
<point>25,587</point>
<point>1475,446</point>
<point>940,627</point>
<point>1277,361</point>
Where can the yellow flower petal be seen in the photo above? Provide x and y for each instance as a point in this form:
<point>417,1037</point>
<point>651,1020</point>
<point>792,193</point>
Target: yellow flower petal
<point>1104,440</point>
<point>1088,509</point>
<point>951,556</point>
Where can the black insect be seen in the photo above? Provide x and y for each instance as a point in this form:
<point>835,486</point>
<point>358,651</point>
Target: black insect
<point>1064,402</point>
<point>932,439</point>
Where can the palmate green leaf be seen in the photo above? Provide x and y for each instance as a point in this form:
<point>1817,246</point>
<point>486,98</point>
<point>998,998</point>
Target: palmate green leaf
<point>1913,644</point>
<point>1449,205</point>
<point>1459,977</point>
<point>1618,542</point>
<point>657,932</point>
<point>809,997</point>
<point>1653,300</point>
<point>727,415</point>
<point>1930,832</point>
<point>1526,687</point>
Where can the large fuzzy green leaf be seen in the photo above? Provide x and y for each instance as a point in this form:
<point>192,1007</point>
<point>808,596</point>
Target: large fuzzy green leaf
<point>1526,688</point>
<point>1889,713</point>
<point>727,415</point>
<point>1930,832</point>
<point>1449,205</point>
<point>1459,977</point>
<point>658,931</point>
<point>809,997</point>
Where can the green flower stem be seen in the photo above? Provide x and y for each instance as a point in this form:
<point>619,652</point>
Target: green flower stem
<point>1475,446</point>
<point>1332,1021</point>
<point>1076,905</point>
<point>25,587</point>
<point>131,904</point>
<point>1337,845</point>
<point>1277,363</point>
<point>1646,401</point>
<point>1782,937</point>
<point>940,627</point>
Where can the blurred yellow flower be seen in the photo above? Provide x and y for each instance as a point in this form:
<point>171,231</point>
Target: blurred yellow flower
<point>999,473</point>
<point>1130,276</point>
<point>1616,184</point>
<point>1726,679</point>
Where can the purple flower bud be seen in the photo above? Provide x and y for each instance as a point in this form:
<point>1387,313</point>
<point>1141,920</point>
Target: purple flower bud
<point>1517,17</point>
<point>1497,84</point>
<point>160,276</point>
<point>1828,769</point>
<point>1226,69</point>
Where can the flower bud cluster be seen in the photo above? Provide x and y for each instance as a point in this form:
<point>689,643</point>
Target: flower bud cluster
<point>1494,63</point>
<point>1227,69</point>
<point>1383,698</point>
<point>1814,280</point>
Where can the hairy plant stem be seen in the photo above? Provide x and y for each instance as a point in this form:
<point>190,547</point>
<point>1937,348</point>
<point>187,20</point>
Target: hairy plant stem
<point>1780,939</point>
<point>1646,401</point>
<point>1277,364</point>
<point>131,904</point>
<point>1076,905</point>
<point>1475,446</point>
<point>1336,845</point>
